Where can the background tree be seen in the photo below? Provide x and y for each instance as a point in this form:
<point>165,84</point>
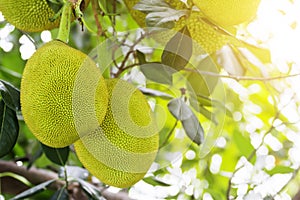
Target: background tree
<point>224,95</point>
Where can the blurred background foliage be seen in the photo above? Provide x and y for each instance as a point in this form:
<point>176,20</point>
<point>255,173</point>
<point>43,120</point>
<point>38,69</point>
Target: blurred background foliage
<point>250,115</point>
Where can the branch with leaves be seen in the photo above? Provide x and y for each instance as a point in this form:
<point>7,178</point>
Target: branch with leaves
<point>35,176</point>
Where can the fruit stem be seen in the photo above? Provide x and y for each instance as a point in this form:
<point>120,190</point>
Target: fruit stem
<point>65,22</point>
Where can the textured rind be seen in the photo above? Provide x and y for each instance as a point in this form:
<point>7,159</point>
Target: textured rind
<point>228,12</point>
<point>48,88</point>
<point>116,156</point>
<point>207,37</point>
<point>28,15</point>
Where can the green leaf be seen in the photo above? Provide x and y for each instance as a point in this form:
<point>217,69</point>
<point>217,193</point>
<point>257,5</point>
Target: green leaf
<point>159,13</point>
<point>61,194</point>
<point>280,170</point>
<point>55,5</point>
<point>33,190</point>
<point>153,181</point>
<point>179,109</point>
<point>74,172</point>
<point>189,121</point>
<point>155,93</point>
<point>263,54</point>
<point>243,143</point>
<point>10,95</point>
<point>89,189</point>
<point>9,129</point>
<point>157,72</point>
<point>17,177</point>
<point>231,60</point>
<point>56,155</point>
<point>193,129</point>
<point>199,82</point>
<point>106,6</point>
<point>178,50</point>
<point>141,57</point>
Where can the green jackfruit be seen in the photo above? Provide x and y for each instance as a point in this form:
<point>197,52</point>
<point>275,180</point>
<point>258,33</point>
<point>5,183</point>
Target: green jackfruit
<point>228,12</point>
<point>58,98</point>
<point>30,15</point>
<point>121,150</point>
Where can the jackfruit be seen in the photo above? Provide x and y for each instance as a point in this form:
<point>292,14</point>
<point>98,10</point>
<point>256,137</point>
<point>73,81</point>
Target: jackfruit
<point>228,12</point>
<point>208,38</point>
<point>121,150</point>
<point>30,15</point>
<point>58,90</point>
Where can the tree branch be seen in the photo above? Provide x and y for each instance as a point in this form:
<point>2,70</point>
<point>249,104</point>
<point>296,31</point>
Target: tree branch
<point>37,176</point>
<point>242,78</point>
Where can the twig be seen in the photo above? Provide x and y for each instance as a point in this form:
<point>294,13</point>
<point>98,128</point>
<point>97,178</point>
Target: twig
<point>243,78</point>
<point>95,7</point>
<point>250,156</point>
<point>131,50</point>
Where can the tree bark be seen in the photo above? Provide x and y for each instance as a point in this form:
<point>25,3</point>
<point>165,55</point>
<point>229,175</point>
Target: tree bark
<point>36,176</point>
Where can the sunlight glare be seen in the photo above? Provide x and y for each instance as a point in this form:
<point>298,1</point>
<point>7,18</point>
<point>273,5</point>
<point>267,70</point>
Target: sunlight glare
<point>277,25</point>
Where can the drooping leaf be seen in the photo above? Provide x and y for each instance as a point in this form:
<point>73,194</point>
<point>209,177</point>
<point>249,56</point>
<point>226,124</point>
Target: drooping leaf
<point>10,95</point>
<point>141,57</point>
<point>61,194</point>
<point>34,190</point>
<point>279,169</point>
<point>155,93</point>
<point>153,181</point>
<point>189,121</point>
<point>55,5</point>
<point>9,129</point>
<point>157,72</point>
<point>230,60</point>
<point>89,189</point>
<point>73,171</point>
<point>178,50</point>
<point>200,82</point>
<point>159,13</point>
<point>106,6</point>
<point>193,129</point>
<point>57,155</point>
<point>17,177</point>
<point>263,54</point>
<point>179,109</point>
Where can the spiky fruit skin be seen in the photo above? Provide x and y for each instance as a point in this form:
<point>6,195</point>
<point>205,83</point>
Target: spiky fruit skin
<point>228,12</point>
<point>29,15</point>
<point>121,150</point>
<point>58,90</point>
<point>207,37</point>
